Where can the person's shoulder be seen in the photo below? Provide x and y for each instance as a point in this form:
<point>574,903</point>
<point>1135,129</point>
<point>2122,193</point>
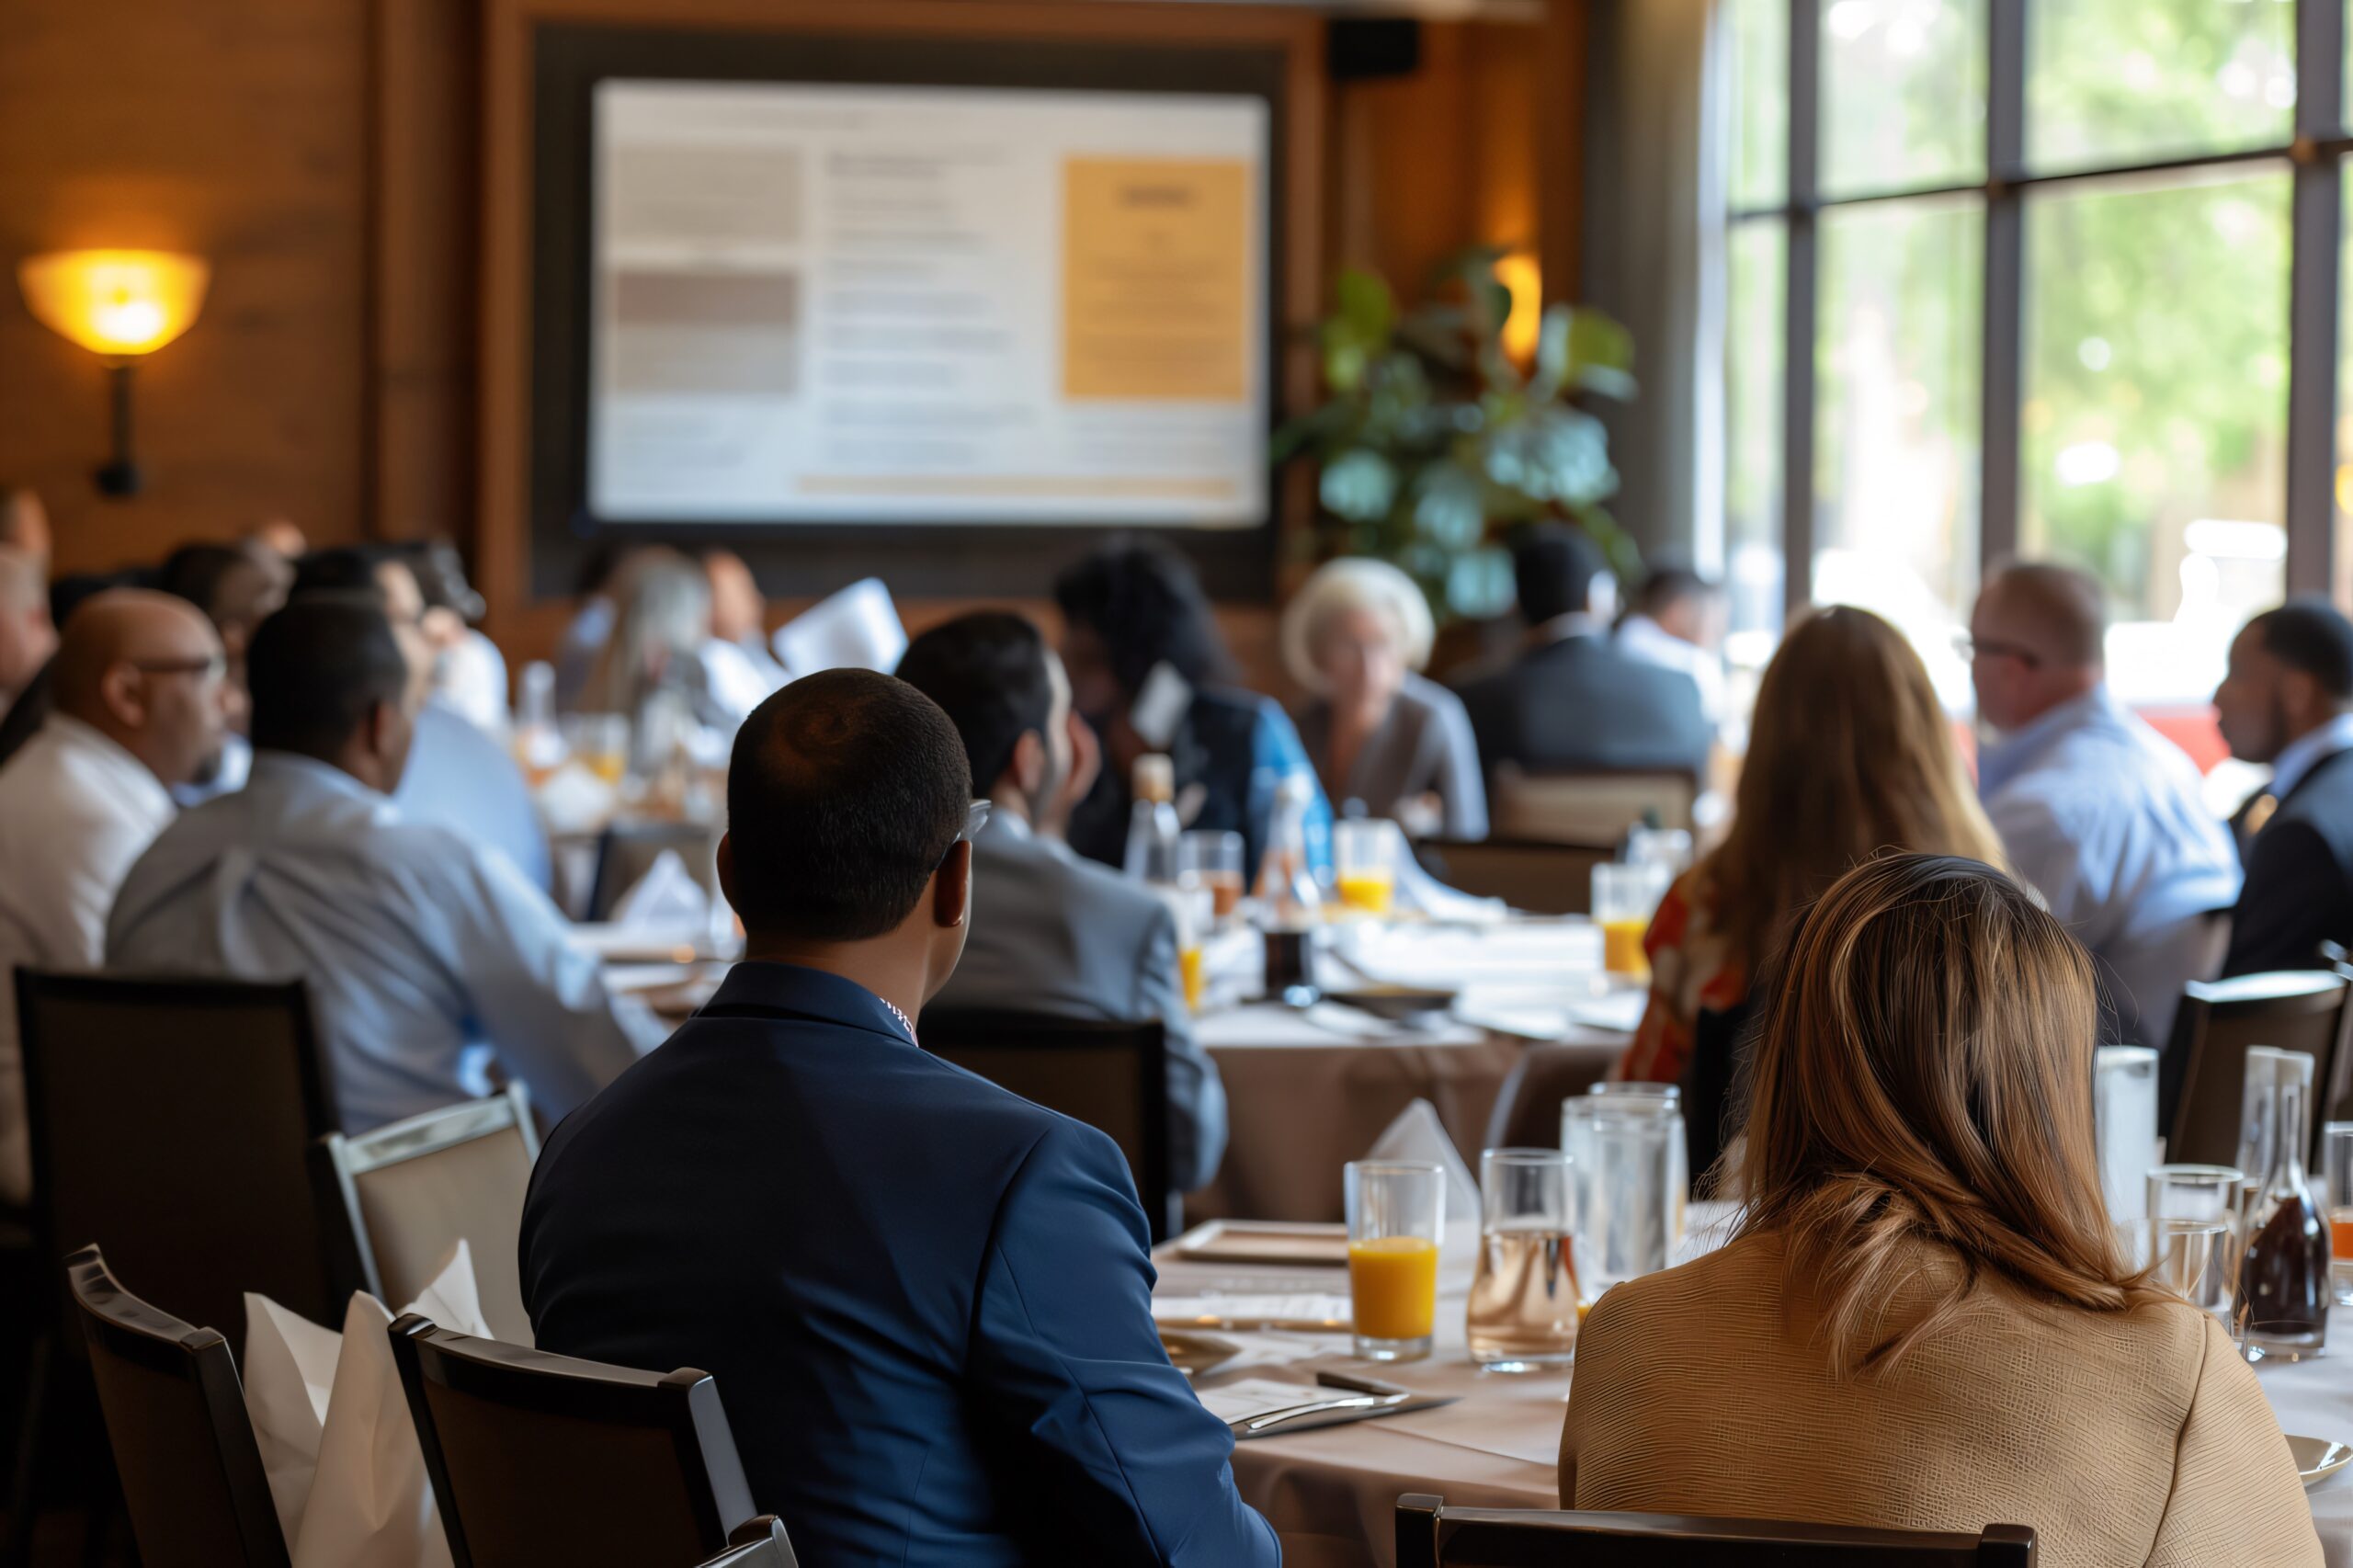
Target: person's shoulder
<point>1646,1318</point>
<point>1423,695</point>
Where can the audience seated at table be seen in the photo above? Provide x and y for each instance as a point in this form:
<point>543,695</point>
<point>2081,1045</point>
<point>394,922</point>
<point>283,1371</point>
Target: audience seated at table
<point>924,1301</point>
<point>424,951</point>
<point>469,671</point>
<point>650,669</point>
<point>1572,699</point>
<point>738,670</point>
<point>1676,622</point>
<point>140,702</point>
<point>1052,932</point>
<point>28,636</point>
<point>1922,1320</point>
<point>2097,812</point>
<point>1849,754</point>
<point>2287,699</point>
<point>1358,635</point>
<point>1129,608</point>
<point>458,776</point>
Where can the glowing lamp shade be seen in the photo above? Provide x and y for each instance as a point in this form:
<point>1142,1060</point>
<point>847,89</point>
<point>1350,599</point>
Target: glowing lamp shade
<point>1519,273</point>
<point>114,302</point>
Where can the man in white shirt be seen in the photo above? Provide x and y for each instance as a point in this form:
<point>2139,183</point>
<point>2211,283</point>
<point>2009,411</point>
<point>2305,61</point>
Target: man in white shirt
<point>1673,624</point>
<point>2099,812</point>
<point>141,703</point>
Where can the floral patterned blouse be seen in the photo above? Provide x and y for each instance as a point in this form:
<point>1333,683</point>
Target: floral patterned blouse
<point>1692,972</point>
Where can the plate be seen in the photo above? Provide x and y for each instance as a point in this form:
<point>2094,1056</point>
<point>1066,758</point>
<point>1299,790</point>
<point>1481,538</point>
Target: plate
<point>1265,1241</point>
<point>1395,1003</point>
<point>2318,1459</point>
<point>1194,1353</point>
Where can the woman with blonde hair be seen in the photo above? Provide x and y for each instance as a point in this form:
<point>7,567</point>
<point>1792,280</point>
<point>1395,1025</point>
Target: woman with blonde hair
<point>1922,1321</point>
<point>1357,635</point>
<point>1849,754</point>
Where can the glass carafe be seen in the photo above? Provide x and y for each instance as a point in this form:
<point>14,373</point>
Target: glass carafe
<point>2282,1312</point>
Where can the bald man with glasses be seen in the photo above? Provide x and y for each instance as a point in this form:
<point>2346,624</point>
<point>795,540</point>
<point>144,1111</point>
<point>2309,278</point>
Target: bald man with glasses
<point>141,702</point>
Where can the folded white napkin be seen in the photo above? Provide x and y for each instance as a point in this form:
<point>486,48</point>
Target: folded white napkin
<point>858,628</point>
<point>576,801</point>
<point>666,898</point>
<point>1416,889</point>
<point>1418,1134</point>
<point>333,1423</point>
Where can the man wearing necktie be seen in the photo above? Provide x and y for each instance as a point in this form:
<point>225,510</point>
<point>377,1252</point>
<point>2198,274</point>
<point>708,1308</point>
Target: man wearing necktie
<point>2287,700</point>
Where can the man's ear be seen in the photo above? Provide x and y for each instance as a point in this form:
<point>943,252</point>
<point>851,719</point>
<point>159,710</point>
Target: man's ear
<point>379,728</point>
<point>124,693</point>
<point>951,887</point>
<point>1029,761</point>
<point>726,857</point>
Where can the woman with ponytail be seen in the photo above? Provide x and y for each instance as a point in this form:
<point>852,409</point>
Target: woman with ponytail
<point>1922,1320</point>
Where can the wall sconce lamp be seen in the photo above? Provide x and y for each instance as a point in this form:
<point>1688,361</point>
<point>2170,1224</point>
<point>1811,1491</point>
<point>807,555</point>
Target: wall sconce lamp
<point>119,304</point>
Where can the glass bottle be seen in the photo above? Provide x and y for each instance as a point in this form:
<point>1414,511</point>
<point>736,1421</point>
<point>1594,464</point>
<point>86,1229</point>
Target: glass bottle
<point>1290,904</point>
<point>2281,1312</point>
<point>1152,828</point>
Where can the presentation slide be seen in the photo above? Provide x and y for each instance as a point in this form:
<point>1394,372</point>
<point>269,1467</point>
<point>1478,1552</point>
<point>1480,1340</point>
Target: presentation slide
<point>927,305</point>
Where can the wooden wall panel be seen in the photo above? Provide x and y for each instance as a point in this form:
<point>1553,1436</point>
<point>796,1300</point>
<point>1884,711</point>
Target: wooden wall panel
<point>236,129</point>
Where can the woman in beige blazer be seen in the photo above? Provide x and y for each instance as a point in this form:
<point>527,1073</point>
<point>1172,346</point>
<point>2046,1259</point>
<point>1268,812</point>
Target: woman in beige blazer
<point>1922,1321</point>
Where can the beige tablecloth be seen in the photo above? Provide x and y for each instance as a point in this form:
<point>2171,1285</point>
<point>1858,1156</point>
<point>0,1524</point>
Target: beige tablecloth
<point>1303,1100</point>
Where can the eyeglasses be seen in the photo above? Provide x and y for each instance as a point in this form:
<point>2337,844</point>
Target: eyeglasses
<point>1969,647</point>
<point>211,667</point>
<point>976,816</point>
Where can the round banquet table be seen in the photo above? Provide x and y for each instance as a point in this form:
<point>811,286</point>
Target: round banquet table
<point>1305,1092</point>
<point>1331,1493</point>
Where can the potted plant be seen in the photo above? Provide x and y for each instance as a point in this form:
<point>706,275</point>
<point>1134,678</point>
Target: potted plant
<point>1433,444</point>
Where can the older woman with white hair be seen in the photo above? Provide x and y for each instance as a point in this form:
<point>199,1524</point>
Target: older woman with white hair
<point>1379,732</point>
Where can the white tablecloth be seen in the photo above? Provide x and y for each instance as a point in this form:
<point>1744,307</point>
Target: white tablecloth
<point>1332,1494</point>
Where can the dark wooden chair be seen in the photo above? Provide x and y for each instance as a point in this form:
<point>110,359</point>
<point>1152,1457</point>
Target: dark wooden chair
<point>539,1459</point>
<point>627,850</point>
<point>2203,1073</point>
<point>1532,874</point>
<point>412,1190</point>
<point>1528,1107</point>
<point>171,1121</point>
<point>1595,805</point>
<point>755,1543</point>
<point>1431,1535</point>
<point>191,1473</point>
<point>1112,1076</point>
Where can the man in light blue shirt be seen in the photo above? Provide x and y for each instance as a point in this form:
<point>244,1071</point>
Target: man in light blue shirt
<point>2099,812</point>
<point>423,949</point>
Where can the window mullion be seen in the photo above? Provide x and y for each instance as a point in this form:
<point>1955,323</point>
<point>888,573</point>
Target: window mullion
<point>2003,301</point>
<point>1801,281</point>
<point>2313,299</point>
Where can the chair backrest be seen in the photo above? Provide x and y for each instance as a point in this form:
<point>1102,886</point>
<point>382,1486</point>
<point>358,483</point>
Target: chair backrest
<point>627,850</point>
<point>1528,1107</point>
<point>1431,1535</point>
<point>755,1543</point>
<point>414,1189</point>
<point>1112,1076</point>
<point>2203,1070</point>
<point>172,1121</point>
<point>1587,805</point>
<point>1526,873</point>
<point>539,1459</point>
<point>175,1418</point>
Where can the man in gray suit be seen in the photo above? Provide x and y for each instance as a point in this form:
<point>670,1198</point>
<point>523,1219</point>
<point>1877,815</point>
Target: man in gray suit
<point>1053,932</point>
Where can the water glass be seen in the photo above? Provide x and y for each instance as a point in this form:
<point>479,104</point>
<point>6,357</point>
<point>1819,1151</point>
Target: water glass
<point>2186,1256</point>
<point>1361,856</point>
<point>1666,848</point>
<point>1628,1207</point>
<point>2205,1194</point>
<point>1524,1305</point>
<point>1211,857</point>
<point>1666,1099</point>
<point>1624,897</point>
<point>2337,1164</point>
<point>1396,1214</point>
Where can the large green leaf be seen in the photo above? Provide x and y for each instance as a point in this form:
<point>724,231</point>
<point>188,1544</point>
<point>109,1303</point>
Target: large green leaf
<point>1358,484</point>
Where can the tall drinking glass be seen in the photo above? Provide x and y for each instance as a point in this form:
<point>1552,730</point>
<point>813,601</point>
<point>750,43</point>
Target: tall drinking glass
<point>1523,1311</point>
<point>1211,857</point>
<point>1623,899</point>
<point>2204,1195</point>
<point>2124,1119</point>
<point>1666,1099</point>
<point>2337,1161</point>
<point>1396,1211</point>
<point>1626,1202</point>
<point>1362,858</point>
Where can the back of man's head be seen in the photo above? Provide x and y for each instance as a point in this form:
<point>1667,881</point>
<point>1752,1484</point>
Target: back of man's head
<point>1555,567</point>
<point>2313,636</point>
<point>318,668</point>
<point>1667,587</point>
<point>342,569</point>
<point>2058,613</point>
<point>987,672</point>
<point>846,791</point>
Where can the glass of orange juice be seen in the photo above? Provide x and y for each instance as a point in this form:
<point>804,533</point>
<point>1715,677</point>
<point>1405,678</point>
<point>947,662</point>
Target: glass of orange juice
<point>1395,1213</point>
<point>1194,907</point>
<point>1623,899</point>
<point>2336,1161</point>
<point>1366,875</point>
<point>600,740</point>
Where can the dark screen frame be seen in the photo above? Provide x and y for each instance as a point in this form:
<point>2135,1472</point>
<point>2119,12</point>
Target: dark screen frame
<point>795,558</point>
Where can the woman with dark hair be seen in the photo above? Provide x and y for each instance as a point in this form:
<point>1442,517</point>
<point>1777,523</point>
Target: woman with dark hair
<point>1128,609</point>
<point>1922,1320</point>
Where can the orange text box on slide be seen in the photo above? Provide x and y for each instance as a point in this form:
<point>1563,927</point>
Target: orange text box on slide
<point>1155,279</point>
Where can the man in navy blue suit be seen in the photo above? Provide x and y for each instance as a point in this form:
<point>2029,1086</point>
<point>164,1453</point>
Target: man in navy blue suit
<point>926,1300</point>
